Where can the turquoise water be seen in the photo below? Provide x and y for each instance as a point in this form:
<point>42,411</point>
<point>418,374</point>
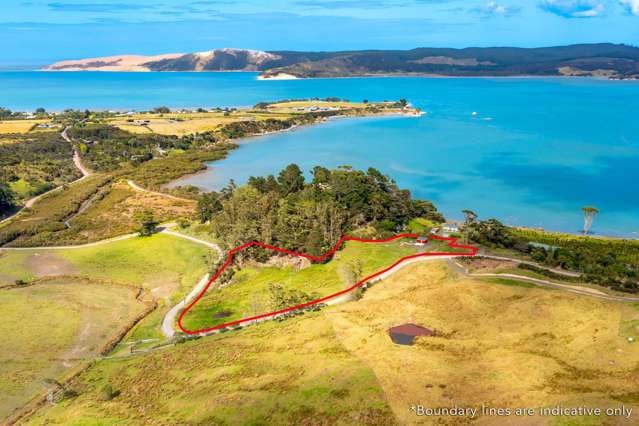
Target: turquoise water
<point>536,151</point>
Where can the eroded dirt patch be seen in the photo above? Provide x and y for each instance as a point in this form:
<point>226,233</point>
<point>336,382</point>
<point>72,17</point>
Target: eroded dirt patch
<point>49,265</point>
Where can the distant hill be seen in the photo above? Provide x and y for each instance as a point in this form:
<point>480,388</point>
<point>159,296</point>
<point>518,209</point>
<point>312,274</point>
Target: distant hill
<point>601,60</point>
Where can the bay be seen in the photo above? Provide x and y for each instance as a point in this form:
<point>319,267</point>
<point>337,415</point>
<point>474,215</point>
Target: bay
<point>529,151</point>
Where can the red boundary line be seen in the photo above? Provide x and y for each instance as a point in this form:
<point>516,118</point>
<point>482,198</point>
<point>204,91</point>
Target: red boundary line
<point>452,242</point>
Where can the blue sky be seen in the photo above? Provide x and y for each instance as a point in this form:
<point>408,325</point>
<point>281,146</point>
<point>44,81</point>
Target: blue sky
<point>35,32</point>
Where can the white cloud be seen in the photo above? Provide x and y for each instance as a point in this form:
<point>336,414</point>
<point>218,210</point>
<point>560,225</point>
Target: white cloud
<point>575,8</point>
<point>492,8</point>
<point>496,9</point>
<point>631,5</point>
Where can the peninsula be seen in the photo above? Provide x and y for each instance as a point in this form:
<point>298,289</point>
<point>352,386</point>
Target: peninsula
<point>615,61</point>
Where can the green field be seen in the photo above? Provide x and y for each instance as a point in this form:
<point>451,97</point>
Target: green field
<point>13,267</point>
<point>248,292</point>
<point>161,261</point>
<point>50,327</point>
<point>59,304</point>
<point>164,265</point>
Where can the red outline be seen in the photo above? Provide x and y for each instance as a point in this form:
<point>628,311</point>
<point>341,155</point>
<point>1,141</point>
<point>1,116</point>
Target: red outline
<point>452,242</point>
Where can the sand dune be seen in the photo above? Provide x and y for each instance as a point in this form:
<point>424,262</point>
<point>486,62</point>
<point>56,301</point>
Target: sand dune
<point>110,63</point>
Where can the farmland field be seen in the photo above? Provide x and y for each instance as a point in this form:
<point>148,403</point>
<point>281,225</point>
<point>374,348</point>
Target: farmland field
<point>87,292</point>
<point>283,372</point>
<point>522,346</point>
<point>520,349</point>
<point>19,126</point>
<point>52,326</point>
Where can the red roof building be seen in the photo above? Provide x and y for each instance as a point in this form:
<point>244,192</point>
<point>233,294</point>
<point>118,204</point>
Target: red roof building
<point>405,334</point>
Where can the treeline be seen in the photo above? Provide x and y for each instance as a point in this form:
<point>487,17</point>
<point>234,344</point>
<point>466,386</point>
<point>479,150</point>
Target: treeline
<point>287,211</point>
<point>606,262</point>
<point>7,114</point>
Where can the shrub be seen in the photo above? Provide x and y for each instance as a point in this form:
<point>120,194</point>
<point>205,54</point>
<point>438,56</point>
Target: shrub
<point>108,393</point>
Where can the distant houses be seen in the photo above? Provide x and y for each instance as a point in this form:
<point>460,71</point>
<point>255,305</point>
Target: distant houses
<point>316,109</point>
<point>450,228</point>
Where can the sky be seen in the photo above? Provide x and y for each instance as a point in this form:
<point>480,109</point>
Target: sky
<point>37,32</point>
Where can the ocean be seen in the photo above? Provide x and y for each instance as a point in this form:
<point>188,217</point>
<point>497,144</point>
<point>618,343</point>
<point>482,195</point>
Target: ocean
<point>528,151</point>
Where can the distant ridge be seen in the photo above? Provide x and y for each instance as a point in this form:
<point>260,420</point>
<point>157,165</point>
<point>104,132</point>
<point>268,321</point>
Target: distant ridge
<point>615,61</point>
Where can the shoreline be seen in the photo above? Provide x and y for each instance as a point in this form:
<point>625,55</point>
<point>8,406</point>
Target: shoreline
<point>288,76</point>
<point>255,138</point>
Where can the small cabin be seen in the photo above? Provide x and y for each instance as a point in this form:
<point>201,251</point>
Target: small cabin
<point>405,334</point>
<point>421,241</point>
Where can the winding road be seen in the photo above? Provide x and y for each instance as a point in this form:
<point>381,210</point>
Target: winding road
<point>78,164</point>
<point>582,291</point>
<point>536,265</point>
<point>168,322</point>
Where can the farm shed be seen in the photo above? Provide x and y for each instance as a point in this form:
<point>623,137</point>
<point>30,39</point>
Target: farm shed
<point>405,334</point>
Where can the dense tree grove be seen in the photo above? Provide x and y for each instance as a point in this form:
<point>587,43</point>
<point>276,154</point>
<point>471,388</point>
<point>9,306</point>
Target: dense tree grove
<point>106,147</point>
<point>607,262</point>
<point>41,161</point>
<point>311,216</point>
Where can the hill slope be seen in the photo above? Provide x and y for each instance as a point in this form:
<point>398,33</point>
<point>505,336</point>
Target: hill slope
<point>602,60</point>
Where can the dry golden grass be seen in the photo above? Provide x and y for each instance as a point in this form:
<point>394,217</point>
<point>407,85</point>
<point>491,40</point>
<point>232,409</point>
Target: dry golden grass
<point>501,345</point>
<point>278,373</point>
<point>298,106</point>
<point>117,212</point>
<point>19,126</point>
<point>189,123</point>
<point>180,124</point>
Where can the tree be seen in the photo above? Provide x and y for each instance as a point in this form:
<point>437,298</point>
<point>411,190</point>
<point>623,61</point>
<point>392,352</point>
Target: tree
<point>7,199</point>
<point>589,216</point>
<point>470,217</point>
<point>162,110</point>
<point>291,179</point>
<point>228,190</point>
<point>148,224</point>
<point>207,205</point>
<point>321,175</point>
<point>403,102</point>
